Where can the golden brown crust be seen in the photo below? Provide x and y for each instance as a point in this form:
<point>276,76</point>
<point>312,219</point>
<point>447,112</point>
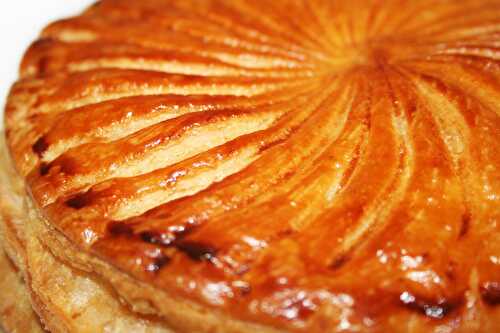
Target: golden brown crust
<point>303,165</point>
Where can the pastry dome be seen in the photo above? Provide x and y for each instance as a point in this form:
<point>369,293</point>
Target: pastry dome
<point>277,166</point>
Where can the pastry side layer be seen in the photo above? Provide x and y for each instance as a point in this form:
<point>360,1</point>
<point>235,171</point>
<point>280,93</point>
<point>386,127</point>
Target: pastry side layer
<point>16,313</point>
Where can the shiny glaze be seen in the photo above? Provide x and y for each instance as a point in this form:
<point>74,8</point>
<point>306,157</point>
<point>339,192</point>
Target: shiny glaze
<point>371,197</point>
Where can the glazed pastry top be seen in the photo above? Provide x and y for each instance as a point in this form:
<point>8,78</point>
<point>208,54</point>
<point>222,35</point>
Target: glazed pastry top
<point>293,163</point>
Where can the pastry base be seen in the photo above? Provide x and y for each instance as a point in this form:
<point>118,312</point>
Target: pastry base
<point>16,313</point>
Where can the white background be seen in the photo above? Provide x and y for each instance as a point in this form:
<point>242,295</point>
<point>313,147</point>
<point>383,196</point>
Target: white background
<point>20,23</point>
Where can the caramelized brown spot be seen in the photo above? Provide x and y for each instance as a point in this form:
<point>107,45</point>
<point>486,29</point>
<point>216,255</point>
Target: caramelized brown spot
<point>44,169</point>
<point>120,229</point>
<point>164,239</point>
<point>42,42</point>
<point>465,224</point>
<point>339,262</point>
<point>430,308</point>
<point>43,66</point>
<point>79,201</point>
<point>196,250</point>
<point>167,238</point>
<point>157,264</point>
<point>490,293</point>
<point>40,146</point>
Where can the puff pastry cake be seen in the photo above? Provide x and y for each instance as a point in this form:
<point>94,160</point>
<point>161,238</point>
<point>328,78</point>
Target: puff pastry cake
<point>256,166</point>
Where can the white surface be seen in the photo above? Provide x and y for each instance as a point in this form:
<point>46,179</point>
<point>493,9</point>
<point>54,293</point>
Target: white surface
<point>20,23</point>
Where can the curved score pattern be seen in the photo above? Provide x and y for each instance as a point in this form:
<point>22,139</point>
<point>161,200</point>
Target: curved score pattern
<point>295,162</point>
